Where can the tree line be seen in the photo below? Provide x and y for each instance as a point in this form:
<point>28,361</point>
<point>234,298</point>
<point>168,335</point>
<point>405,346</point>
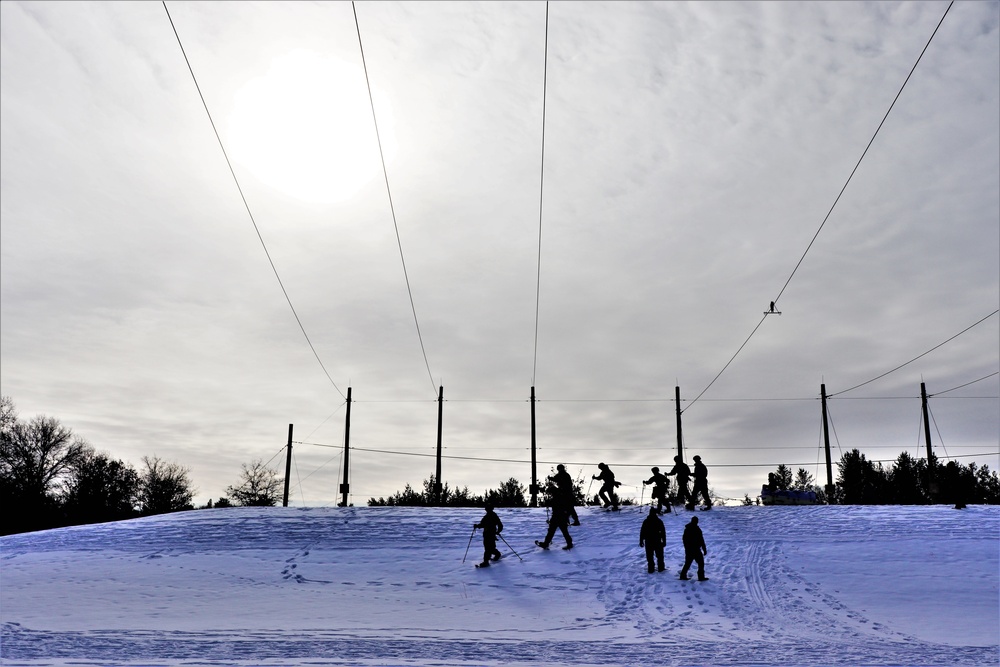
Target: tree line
<point>50,477</point>
<point>906,481</point>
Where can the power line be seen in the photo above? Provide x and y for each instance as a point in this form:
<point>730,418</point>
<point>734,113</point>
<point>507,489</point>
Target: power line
<point>245,204</point>
<point>392,209</point>
<point>592,463</point>
<point>985,377</point>
<point>853,171</point>
<point>830,212</point>
<point>917,357</point>
<point>541,193</point>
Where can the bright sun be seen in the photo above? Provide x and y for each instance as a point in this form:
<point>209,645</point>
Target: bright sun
<point>305,128</point>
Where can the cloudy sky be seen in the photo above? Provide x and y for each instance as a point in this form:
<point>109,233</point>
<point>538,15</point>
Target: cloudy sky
<point>691,153</point>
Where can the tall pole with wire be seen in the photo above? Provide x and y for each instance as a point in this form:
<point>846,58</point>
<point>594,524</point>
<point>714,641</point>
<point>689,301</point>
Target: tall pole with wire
<point>680,437</point>
<point>826,441</point>
<point>533,489</point>
<point>927,439</point>
<point>346,487</point>
<point>438,487</point>
<point>288,466</point>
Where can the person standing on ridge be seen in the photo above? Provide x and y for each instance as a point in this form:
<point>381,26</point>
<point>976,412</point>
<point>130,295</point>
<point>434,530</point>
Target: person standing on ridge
<point>564,492</point>
<point>700,484</point>
<point>683,474</point>
<point>660,485</point>
<point>653,536</point>
<point>694,549</point>
<point>607,493</point>
<point>491,526</point>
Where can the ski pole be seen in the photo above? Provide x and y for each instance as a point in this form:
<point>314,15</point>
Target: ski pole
<point>510,547</point>
<point>642,494</point>
<point>469,544</point>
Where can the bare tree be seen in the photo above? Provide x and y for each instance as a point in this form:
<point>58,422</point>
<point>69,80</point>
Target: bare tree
<point>259,486</point>
<point>35,457</point>
<point>165,487</point>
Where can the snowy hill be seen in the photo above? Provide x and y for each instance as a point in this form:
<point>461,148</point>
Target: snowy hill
<point>373,586</point>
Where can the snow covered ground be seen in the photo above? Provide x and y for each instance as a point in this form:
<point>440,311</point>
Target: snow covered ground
<point>378,586</point>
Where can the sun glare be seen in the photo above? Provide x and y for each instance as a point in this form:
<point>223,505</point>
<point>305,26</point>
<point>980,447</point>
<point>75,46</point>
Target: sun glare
<point>306,128</point>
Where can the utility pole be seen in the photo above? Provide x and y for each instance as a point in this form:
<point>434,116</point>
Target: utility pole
<point>346,487</point>
<point>288,466</point>
<point>680,439</point>
<point>533,489</point>
<point>438,487</point>
<point>826,440</point>
<point>927,439</point>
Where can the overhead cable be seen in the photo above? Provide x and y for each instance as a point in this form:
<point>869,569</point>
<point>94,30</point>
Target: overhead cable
<point>985,377</point>
<point>541,193</point>
<point>392,209</point>
<point>916,357</point>
<point>245,204</point>
<point>827,217</point>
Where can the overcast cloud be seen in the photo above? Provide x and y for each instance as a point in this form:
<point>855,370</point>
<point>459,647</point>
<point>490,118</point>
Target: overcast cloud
<point>691,152</point>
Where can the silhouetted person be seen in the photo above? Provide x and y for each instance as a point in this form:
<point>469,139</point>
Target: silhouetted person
<point>700,483</point>
<point>694,549</point>
<point>772,307</point>
<point>564,492</point>
<point>560,520</point>
<point>607,493</point>
<point>653,536</point>
<point>772,482</point>
<point>660,486</point>
<point>683,474</point>
<point>491,526</point>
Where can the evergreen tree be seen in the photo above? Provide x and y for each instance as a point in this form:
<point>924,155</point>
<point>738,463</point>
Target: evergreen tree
<point>509,494</point>
<point>859,482</point>
<point>906,481</point>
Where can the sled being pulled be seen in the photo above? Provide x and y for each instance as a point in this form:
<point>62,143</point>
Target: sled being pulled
<point>776,497</point>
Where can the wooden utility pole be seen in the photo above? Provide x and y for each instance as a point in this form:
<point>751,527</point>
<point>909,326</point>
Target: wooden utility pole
<point>346,487</point>
<point>826,441</point>
<point>931,486</point>
<point>438,487</point>
<point>533,489</point>
<point>680,438</point>
<point>288,466</point>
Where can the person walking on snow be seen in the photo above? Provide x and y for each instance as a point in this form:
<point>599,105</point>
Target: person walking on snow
<point>564,494</point>
<point>660,485</point>
<point>491,526</point>
<point>653,536</point>
<point>607,493</point>
<point>560,520</point>
<point>694,549</point>
<point>683,474</point>
<point>700,484</point>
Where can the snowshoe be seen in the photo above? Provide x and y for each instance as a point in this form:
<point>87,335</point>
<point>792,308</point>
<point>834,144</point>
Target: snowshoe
<point>567,547</point>
<point>542,545</point>
<point>483,564</point>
